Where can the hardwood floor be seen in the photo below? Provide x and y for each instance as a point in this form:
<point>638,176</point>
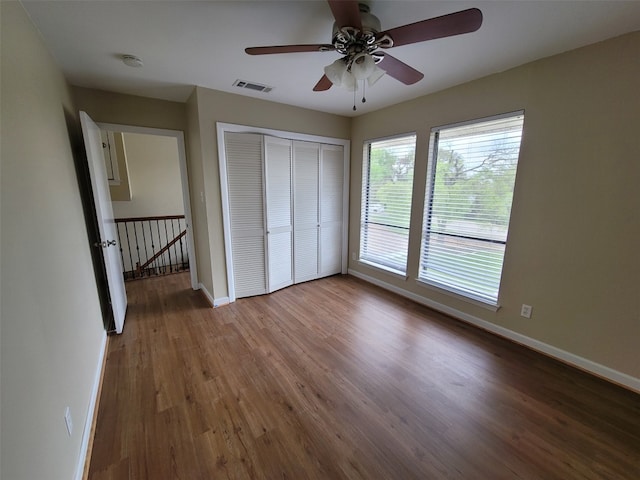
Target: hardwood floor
<point>337,379</point>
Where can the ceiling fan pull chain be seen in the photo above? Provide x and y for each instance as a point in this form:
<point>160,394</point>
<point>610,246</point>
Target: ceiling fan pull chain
<point>363,92</point>
<point>354,99</point>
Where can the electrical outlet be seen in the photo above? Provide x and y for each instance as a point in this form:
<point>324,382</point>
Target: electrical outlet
<point>526,311</point>
<point>354,256</point>
<point>67,420</point>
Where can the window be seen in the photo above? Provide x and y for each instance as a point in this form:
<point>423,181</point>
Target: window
<point>472,170</point>
<point>387,183</point>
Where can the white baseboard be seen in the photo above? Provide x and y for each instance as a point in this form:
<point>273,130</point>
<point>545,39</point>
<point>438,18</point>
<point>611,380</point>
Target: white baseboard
<point>88,421</point>
<point>587,365</point>
<point>206,293</point>
<point>215,302</point>
<point>221,301</point>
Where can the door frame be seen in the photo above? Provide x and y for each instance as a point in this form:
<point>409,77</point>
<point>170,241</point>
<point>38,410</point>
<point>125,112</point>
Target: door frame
<point>184,181</point>
<point>221,128</point>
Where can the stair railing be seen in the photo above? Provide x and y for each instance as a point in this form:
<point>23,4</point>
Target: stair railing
<point>151,246</point>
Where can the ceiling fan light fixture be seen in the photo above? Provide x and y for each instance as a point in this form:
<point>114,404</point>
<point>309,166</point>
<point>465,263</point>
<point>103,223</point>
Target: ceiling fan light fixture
<point>376,75</point>
<point>349,82</point>
<point>336,71</point>
<point>362,66</point>
<point>346,72</point>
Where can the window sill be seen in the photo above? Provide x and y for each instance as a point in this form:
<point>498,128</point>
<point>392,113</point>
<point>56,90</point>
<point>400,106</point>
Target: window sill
<point>392,271</point>
<point>479,303</point>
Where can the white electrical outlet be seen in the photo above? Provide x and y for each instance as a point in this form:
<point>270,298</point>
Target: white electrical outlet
<point>67,420</point>
<point>526,311</point>
<point>353,256</point>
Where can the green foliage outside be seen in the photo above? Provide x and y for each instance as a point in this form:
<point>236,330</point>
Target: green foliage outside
<point>391,183</point>
<point>480,193</point>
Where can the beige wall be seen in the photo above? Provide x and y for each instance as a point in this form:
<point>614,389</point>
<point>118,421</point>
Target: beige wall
<point>154,177</point>
<point>51,325</point>
<point>108,107</point>
<point>198,202</point>
<point>573,242</point>
<point>206,107</point>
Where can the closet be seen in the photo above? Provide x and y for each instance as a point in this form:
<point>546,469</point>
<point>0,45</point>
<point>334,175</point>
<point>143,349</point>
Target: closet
<point>285,209</point>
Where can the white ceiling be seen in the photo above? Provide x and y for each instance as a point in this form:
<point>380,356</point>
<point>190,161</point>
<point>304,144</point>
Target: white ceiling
<point>185,43</point>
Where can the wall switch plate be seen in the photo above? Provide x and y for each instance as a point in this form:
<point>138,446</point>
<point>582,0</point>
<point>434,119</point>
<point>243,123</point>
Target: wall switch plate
<point>67,420</point>
<point>526,311</point>
<point>354,256</point>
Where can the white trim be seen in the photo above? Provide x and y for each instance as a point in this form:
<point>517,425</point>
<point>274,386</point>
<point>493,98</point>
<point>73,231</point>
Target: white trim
<point>499,116</point>
<point>369,141</point>
<point>221,128</point>
<point>345,206</point>
<point>88,421</point>
<point>383,268</point>
<point>115,170</point>
<point>286,135</point>
<point>206,293</point>
<point>463,297</point>
<point>219,302</point>
<point>581,363</point>
<point>184,181</point>
<point>226,214</point>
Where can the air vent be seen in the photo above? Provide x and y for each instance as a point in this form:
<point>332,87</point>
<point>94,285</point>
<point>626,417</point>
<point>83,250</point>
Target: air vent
<point>252,86</point>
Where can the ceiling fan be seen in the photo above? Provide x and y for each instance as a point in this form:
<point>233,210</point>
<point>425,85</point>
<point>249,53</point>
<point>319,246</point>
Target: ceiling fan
<point>357,36</point>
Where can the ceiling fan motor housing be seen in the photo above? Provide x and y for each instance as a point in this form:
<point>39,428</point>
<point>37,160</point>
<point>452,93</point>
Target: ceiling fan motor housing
<point>348,40</point>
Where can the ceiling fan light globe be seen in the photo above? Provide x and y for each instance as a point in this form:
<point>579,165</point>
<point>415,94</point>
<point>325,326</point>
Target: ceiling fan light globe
<point>335,72</point>
<point>376,75</point>
<point>362,66</point>
<point>349,82</point>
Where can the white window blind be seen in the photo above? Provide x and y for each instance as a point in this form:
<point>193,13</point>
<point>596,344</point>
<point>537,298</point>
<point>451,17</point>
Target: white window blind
<point>386,202</point>
<point>468,205</point>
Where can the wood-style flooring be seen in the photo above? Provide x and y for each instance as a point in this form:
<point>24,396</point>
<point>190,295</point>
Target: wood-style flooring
<point>338,379</point>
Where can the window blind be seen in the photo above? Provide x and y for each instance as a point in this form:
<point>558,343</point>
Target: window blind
<point>468,205</point>
<point>386,202</point>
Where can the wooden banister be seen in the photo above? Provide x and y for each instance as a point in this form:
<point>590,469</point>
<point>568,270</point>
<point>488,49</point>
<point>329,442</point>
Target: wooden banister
<point>145,219</point>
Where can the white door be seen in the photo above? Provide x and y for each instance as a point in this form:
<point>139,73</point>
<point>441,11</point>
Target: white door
<point>277,155</point>
<point>104,211</point>
<point>331,208</point>
<point>305,207</point>
<point>244,152</point>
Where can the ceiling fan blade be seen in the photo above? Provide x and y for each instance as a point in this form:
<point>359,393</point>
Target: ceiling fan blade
<point>323,84</point>
<point>400,70</point>
<point>457,23</point>
<point>289,49</point>
<point>346,13</point>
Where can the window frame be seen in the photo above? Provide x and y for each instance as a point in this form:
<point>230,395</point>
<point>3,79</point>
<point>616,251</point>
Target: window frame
<point>426,231</point>
<point>368,259</point>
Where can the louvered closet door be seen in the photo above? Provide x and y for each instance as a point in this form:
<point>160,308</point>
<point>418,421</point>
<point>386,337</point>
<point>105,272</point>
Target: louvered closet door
<point>244,153</point>
<point>331,203</point>
<point>306,225</point>
<point>279,212</point>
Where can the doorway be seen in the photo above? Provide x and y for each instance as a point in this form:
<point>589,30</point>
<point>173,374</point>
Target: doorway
<point>163,241</point>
